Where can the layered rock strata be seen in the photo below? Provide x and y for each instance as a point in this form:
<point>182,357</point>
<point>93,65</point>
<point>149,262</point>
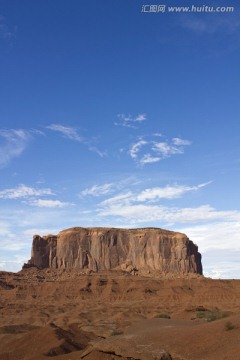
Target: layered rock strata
<point>97,249</point>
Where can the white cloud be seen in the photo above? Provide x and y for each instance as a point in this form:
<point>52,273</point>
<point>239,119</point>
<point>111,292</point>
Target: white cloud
<point>221,264</point>
<point>151,151</point>
<point>5,231</point>
<point>219,244</point>
<point>146,196</point>
<point>15,142</point>
<point>19,224</point>
<point>108,188</point>
<point>140,117</point>
<point>217,235</point>
<point>167,192</point>
<point>23,191</point>
<point>129,120</point>
<point>177,141</point>
<point>14,264</point>
<point>127,207</point>
<point>97,190</point>
<point>48,203</point>
<point>135,148</point>
<point>67,131</point>
<point>120,199</point>
<point>165,150</point>
<point>147,158</point>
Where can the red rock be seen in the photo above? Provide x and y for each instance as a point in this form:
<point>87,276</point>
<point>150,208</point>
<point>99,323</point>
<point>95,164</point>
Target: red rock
<point>147,249</point>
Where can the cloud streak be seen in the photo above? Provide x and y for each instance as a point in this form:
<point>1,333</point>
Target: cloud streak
<point>14,144</point>
<point>142,213</point>
<point>143,206</point>
<point>49,203</point>
<point>97,190</point>
<point>23,191</point>
<point>129,120</point>
<point>66,131</point>
<point>72,134</point>
<point>168,192</point>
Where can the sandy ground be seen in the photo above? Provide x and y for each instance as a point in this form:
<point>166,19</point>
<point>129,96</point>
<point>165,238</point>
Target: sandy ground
<point>114,315</point>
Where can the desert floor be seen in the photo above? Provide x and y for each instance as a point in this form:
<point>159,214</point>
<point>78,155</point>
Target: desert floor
<point>114,315</point>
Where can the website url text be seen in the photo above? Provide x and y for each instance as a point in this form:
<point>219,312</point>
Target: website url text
<point>184,9</point>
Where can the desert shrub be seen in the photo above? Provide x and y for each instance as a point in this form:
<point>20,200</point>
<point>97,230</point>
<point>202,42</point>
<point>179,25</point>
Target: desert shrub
<point>229,326</point>
<point>163,316</point>
<point>116,332</point>
<point>211,315</point>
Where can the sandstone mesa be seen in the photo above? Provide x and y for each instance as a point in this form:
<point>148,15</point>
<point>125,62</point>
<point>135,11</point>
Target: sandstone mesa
<point>97,249</point>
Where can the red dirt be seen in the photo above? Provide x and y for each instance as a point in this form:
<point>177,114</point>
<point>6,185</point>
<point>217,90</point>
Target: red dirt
<point>112,315</point>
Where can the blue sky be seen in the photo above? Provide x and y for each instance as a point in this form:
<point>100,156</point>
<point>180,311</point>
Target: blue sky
<point>115,117</point>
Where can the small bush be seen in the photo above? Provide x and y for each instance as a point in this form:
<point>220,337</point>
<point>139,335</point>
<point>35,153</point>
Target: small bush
<point>163,316</point>
<point>211,315</point>
<point>116,332</point>
<point>229,326</point>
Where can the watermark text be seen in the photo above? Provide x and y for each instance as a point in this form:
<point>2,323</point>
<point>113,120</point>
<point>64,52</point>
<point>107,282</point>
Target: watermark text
<point>186,9</point>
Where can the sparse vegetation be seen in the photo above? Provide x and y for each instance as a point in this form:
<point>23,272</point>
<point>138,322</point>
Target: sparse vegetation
<point>163,316</point>
<point>229,326</point>
<point>116,332</point>
<point>211,315</point>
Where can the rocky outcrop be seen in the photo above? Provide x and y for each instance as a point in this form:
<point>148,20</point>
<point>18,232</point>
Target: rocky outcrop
<point>97,249</point>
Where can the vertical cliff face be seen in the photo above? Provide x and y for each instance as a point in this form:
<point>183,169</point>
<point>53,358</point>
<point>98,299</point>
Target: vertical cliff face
<point>108,248</point>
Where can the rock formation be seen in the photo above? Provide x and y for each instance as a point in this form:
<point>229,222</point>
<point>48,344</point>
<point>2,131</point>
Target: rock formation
<point>148,249</point>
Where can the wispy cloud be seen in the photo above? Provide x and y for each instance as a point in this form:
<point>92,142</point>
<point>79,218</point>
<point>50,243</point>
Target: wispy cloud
<point>135,148</point>
<point>71,133</point>
<point>49,203</point>
<point>148,159</point>
<point>144,213</point>
<point>165,149</point>
<point>120,199</point>
<point>151,151</point>
<point>180,142</point>
<point>97,151</point>
<point>66,131</point>
<point>14,143</point>
<point>30,196</point>
<point>109,188</point>
<point>168,192</point>
<point>97,190</point>
<point>37,132</point>
<point>129,120</point>
<point>154,194</point>
<point>202,24</point>
<point>23,191</point>
<point>5,33</point>
<point>138,207</point>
